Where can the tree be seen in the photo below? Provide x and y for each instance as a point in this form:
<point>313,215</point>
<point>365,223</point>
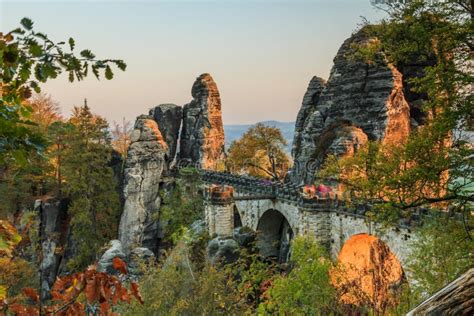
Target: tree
<point>44,111</point>
<point>307,289</point>
<point>260,152</point>
<point>121,137</point>
<point>434,166</point>
<point>90,185</point>
<point>441,252</point>
<point>183,205</point>
<point>28,58</point>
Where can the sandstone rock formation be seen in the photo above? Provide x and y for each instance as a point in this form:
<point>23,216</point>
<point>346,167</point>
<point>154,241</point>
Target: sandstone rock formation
<point>194,134</point>
<point>169,118</point>
<point>133,259</point>
<point>308,107</point>
<point>54,231</point>
<point>372,270</point>
<point>202,135</point>
<point>142,176</point>
<point>367,96</point>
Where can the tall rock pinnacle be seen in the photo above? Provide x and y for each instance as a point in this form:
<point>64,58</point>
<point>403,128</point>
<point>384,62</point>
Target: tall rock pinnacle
<point>202,135</point>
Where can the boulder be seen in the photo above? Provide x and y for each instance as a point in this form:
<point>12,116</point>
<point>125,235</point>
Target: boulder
<point>106,261</point>
<point>144,165</point>
<point>222,250</point>
<point>244,236</point>
<point>202,135</point>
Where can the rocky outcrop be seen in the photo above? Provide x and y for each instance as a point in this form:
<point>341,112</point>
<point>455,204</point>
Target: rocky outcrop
<point>133,259</point>
<point>169,118</point>
<point>367,96</point>
<point>224,250</point>
<point>202,136</point>
<point>142,176</point>
<point>54,230</point>
<point>372,271</point>
<point>308,107</point>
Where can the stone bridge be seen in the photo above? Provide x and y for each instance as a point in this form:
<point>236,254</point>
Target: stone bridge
<point>279,212</point>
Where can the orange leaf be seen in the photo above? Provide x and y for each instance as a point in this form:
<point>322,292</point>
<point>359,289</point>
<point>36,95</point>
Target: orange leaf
<point>104,307</point>
<point>119,265</point>
<point>136,292</point>
<point>91,290</point>
<point>124,295</point>
<point>31,293</point>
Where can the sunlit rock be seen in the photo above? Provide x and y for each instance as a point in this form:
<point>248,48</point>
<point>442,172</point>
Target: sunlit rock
<point>368,96</point>
<point>202,136</point>
<point>142,176</point>
<point>369,273</point>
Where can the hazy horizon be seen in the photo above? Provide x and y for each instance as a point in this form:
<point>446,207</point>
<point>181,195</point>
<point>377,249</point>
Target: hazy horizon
<point>261,54</point>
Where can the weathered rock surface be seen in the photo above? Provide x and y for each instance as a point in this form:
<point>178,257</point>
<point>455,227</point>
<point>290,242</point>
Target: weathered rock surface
<point>202,136</point>
<point>54,231</point>
<point>371,269</point>
<point>169,118</point>
<point>308,107</point>
<point>367,96</point>
<point>133,259</point>
<point>142,176</point>
<point>106,261</point>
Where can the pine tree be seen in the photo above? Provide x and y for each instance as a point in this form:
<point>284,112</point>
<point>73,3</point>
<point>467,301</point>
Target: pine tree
<point>90,185</point>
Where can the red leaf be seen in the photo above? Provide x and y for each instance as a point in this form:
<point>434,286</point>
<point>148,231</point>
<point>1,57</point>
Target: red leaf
<point>31,293</point>
<point>119,265</point>
<point>136,292</point>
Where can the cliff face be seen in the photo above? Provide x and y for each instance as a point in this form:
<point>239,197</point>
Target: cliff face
<point>169,118</point>
<point>202,136</point>
<point>368,97</point>
<point>308,107</point>
<point>146,160</point>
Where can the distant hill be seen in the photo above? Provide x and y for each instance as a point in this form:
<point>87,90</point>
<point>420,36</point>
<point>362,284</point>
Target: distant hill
<point>234,132</point>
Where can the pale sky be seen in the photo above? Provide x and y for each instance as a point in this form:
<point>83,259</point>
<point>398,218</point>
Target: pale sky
<point>261,53</point>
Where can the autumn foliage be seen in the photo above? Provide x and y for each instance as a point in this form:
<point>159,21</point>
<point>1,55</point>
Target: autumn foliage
<point>72,294</point>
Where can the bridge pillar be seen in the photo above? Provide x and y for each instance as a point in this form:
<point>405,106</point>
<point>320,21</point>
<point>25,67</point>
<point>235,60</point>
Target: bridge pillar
<point>219,211</point>
<point>316,221</point>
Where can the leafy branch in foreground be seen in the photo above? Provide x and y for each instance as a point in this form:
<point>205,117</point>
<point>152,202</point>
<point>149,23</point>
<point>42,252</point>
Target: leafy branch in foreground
<point>28,58</point>
<point>72,294</point>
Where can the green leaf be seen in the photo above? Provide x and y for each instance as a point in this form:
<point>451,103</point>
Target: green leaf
<point>72,43</point>
<point>95,71</point>
<point>41,35</point>
<point>27,23</point>
<point>35,86</point>
<point>18,31</point>
<point>121,64</point>
<point>36,50</point>
<point>108,73</point>
<point>87,54</point>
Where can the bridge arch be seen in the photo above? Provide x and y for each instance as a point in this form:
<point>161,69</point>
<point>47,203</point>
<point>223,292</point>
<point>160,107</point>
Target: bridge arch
<point>237,218</point>
<point>274,234</point>
<point>371,271</point>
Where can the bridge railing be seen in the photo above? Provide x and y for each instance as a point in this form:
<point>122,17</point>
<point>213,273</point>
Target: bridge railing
<point>292,194</point>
